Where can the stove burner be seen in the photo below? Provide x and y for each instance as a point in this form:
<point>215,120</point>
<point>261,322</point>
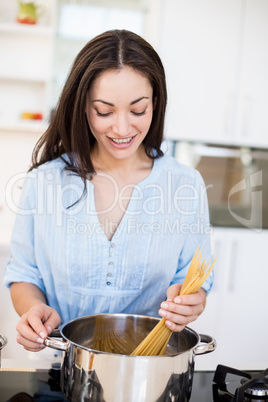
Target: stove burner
<point>252,385</point>
<point>258,388</point>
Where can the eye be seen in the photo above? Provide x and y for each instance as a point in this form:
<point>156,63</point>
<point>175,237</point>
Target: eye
<point>103,114</point>
<point>139,113</point>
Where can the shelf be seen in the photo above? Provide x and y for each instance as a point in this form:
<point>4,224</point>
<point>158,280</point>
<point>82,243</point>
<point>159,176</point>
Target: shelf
<point>16,28</point>
<point>32,127</point>
<point>34,79</point>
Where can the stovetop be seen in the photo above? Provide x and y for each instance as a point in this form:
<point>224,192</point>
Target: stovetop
<point>43,386</point>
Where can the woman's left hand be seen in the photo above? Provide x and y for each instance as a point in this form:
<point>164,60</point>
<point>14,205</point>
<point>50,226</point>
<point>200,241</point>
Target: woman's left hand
<point>179,311</point>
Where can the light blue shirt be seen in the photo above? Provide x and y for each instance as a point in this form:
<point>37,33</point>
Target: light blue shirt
<point>65,252</point>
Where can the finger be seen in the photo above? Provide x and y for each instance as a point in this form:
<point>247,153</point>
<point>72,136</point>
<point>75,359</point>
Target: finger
<point>52,322</point>
<point>37,325</point>
<point>175,327</point>
<point>179,316</point>
<point>26,332</point>
<point>173,291</point>
<point>29,345</point>
<point>180,319</point>
<point>177,322</point>
<point>190,300</point>
<point>180,309</point>
<point>33,349</point>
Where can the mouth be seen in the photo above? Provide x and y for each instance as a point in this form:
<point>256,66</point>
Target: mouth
<point>122,140</point>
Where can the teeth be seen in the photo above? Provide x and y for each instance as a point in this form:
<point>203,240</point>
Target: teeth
<point>122,141</point>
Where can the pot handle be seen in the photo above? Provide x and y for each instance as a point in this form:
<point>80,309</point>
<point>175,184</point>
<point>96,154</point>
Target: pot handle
<point>208,345</point>
<point>57,344</point>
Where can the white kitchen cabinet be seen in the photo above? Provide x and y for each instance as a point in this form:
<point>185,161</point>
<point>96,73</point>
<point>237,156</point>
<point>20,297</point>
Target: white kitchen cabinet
<point>25,68</point>
<point>252,121</point>
<point>235,312</point>
<point>216,58</point>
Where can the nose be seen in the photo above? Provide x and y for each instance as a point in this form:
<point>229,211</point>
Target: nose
<point>121,125</point>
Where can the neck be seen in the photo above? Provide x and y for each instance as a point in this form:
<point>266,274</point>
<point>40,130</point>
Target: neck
<point>121,167</point>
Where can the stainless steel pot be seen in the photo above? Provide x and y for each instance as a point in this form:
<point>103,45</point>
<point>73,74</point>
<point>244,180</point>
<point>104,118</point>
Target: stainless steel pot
<point>96,365</point>
<point>3,342</point>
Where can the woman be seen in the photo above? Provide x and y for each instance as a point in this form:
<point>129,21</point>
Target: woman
<point>106,222</point>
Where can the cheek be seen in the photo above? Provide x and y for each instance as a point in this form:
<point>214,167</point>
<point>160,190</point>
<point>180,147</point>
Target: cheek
<point>97,125</point>
<point>147,123</point>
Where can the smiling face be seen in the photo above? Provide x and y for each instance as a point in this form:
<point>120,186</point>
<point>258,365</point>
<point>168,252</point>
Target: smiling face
<point>119,112</point>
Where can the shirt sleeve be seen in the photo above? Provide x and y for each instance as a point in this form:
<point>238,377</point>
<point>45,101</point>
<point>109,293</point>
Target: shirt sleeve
<point>21,266</point>
<point>199,232</point>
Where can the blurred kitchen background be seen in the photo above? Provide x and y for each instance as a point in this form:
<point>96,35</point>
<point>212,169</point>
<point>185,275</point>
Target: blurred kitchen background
<point>215,53</point>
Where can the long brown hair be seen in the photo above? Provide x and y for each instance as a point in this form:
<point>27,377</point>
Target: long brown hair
<point>68,131</point>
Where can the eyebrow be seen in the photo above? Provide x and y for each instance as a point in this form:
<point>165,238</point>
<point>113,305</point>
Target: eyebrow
<point>111,104</point>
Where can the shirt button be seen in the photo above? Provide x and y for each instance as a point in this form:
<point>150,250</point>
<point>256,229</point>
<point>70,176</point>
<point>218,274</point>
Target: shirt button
<point>109,274</point>
<point>111,254</point>
<point>108,283</point>
<point>112,245</point>
<point>111,264</point>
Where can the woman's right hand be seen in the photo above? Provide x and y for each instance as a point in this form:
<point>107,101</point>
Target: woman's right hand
<point>35,325</point>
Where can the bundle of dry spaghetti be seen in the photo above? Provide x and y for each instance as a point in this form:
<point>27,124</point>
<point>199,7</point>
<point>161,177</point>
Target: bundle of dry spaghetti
<point>157,340</point>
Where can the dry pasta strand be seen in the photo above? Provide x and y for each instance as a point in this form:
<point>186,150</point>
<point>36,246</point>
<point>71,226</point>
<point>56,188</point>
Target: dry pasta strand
<point>157,340</point>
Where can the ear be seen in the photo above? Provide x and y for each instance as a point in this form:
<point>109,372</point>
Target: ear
<point>155,102</point>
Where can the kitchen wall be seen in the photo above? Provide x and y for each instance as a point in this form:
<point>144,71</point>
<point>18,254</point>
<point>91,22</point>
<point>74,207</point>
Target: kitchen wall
<point>216,59</point>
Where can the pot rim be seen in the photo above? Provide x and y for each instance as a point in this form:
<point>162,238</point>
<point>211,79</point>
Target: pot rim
<point>95,351</point>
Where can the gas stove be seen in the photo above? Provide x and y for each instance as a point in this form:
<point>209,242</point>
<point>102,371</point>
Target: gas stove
<point>225,384</point>
<point>230,384</point>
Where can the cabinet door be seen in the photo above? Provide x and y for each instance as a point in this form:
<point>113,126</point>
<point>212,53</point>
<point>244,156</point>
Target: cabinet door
<point>253,105</point>
<point>236,308</point>
<point>243,326</point>
<point>199,51</point>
